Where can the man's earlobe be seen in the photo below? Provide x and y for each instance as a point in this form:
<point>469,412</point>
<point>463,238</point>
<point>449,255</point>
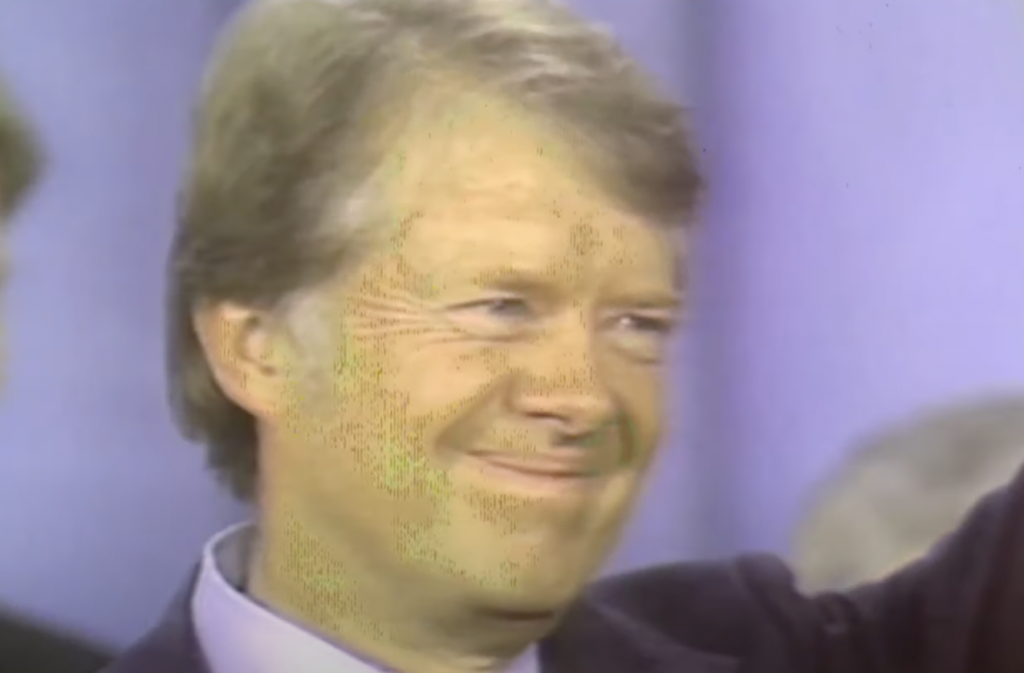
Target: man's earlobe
<point>245,354</point>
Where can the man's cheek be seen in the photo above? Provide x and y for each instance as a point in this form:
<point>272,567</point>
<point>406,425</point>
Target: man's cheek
<point>395,470</point>
<point>394,456</point>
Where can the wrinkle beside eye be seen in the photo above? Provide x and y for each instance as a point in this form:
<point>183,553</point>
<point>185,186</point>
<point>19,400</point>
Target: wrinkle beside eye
<point>505,307</point>
<point>492,317</point>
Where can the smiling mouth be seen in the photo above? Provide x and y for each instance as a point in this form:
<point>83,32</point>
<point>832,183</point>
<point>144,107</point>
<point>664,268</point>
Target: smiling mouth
<point>537,475</point>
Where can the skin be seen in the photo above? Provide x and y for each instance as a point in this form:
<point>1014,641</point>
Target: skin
<point>512,308</point>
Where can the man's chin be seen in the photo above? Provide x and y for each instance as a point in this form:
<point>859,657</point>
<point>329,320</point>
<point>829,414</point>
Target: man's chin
<point>529,598</point>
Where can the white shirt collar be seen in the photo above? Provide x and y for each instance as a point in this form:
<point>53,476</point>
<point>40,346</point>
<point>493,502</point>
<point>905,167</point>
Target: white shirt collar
<point>238,635</point>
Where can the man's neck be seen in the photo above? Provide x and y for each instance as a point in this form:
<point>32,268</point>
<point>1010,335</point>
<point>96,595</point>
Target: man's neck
<point>297,576</point>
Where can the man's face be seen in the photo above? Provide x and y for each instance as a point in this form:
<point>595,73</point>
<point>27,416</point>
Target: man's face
<point>481,411</point>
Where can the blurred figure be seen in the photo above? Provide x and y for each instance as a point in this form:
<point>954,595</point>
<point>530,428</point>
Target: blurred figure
<point>19,157</point>
<point>27,647</point>
<point>905,489</point>
<point>19,166</point>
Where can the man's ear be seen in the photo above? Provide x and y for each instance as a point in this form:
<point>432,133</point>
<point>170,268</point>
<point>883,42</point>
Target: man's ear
<point>247,353</point>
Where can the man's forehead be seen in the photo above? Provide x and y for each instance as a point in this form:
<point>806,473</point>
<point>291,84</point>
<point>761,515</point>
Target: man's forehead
<point>490,247</point>
<point>471,152</point>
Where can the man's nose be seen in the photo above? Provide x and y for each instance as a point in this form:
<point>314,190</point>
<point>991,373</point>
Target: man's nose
<point>561,380</point>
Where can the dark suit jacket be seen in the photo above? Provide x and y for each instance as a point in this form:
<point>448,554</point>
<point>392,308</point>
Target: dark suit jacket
<point>960,610</point>
<point>27,647</point>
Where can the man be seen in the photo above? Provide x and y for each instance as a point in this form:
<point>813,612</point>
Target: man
<point>25,646</point>
<point>427,265</point>
<point>905,489</point>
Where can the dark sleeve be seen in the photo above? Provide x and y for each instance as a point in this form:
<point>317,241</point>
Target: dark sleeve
<point>26,647</point>
<point>958,610</point>
<point>965,601</point>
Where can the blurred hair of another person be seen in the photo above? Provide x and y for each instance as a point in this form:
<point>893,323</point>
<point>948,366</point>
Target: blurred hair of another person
<point>905,489</point>
<point>26,646</point>
<point>19,156</point>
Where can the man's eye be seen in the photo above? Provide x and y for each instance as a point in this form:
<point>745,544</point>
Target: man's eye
<point>643,337</point>
<point>499,317</point>
<point>646,324</point>
<point>503,307</point>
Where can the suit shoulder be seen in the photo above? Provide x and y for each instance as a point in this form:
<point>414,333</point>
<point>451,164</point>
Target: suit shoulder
<point>734,607</point>
<point>25,641</point>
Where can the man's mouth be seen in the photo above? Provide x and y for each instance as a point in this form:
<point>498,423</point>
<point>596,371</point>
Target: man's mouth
<point>549,474</point>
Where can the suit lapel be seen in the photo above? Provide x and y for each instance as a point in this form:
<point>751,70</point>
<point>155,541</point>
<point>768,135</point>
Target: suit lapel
<point>171,647</point>
<point>594,638</point>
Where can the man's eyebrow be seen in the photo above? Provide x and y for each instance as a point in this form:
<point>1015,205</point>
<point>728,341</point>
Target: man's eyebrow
<point>516,279</point>
<point>657,300</point>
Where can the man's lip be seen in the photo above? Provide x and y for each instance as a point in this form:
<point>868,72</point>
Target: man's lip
<point>542,465</point>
